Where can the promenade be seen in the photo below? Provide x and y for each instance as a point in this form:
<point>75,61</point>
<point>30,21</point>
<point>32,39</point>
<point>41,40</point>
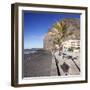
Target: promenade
<point>43,63</point>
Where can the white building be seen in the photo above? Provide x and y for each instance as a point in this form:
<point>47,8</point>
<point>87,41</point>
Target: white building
<point>71,45</point>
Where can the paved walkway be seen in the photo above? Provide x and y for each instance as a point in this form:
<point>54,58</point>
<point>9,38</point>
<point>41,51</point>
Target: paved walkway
<point>72,70</point>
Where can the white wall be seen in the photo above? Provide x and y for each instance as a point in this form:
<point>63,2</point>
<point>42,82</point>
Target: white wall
<point>5,45</point>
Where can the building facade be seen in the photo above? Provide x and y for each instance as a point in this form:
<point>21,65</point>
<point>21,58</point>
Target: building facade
<point>71,45</point>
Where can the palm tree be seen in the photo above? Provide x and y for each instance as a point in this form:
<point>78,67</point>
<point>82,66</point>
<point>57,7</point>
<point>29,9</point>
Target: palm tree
<point>61,27</point>
<point>59,38</point>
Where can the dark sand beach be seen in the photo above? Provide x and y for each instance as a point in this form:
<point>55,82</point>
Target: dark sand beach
<point>37,64</point>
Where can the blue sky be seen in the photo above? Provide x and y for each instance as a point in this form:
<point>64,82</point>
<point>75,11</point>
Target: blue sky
<point>36,24</point>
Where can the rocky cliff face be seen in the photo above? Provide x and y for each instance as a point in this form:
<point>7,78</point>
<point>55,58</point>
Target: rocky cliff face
<point>71,27</point>
<point>48,39</point>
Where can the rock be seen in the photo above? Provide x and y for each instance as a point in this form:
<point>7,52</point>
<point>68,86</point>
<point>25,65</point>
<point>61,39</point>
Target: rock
<point>71,27</point>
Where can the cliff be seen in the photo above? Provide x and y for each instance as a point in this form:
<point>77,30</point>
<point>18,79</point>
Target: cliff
<point>71,29</point>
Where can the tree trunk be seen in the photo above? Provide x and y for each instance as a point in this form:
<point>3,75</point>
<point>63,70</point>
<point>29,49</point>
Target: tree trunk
<point>59,51</point>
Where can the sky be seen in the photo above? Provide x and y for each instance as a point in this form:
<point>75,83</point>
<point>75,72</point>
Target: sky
<point>36,24</point>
